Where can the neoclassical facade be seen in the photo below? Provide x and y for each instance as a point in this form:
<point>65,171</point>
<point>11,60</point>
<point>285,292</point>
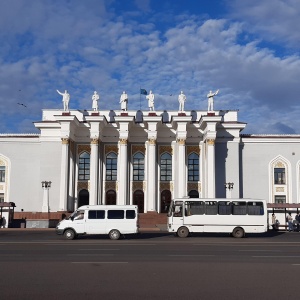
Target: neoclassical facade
<point>144,158</point>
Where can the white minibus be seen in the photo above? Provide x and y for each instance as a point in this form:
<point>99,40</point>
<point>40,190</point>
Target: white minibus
<point>113,220</point>
<point>234,216</point>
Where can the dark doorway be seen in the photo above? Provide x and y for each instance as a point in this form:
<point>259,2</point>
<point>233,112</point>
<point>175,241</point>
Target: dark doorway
<point>83,198</point>
<point>165,200</point>
<point>111,197</point>
<point>138,199</point>
<point>193,194</point>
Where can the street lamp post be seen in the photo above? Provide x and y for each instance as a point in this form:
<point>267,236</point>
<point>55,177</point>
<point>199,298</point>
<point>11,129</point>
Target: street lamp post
<point>229,187</point>
<point>46,186</point>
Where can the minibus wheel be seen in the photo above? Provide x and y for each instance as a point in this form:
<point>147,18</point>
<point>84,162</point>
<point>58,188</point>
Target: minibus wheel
<point>238,232</point>
<point>182,232</point>
<point>69,234</point>
<point>114,234</point>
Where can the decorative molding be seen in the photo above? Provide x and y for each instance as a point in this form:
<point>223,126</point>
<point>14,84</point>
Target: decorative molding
<point>194,186</point>
<point>94,141</point>
<point>111,148</point>
<point>279,164</point>
<point>152,141</point>
<point>138,148</point>
<point>137,185</point>
<point>123,141</point>
<point>2,162</point>
<point>65,141</point>
<point>163,149</point>
<point>83,185</point>
<point>210,142</point>
<point>1,187</point>
<point>166,186</point>
<point>111,185</point>
<point>181,141</point>
<point>280,189</point>
<point>82,148</point>
<point>191,149</point>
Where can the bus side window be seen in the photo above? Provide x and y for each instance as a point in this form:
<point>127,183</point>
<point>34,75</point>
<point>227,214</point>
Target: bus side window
<point>225,208</point>
<point>255,208</point>
<point>177,211</point>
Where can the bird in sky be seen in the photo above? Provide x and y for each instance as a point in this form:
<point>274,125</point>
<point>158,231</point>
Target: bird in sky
<point>22,104</point>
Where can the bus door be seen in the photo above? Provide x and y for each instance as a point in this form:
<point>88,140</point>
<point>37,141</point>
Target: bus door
<point>177,215</point>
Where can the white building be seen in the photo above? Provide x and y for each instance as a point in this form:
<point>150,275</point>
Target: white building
<point>144,158</point>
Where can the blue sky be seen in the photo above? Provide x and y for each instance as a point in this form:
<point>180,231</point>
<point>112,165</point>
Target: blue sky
<point>249,49</point>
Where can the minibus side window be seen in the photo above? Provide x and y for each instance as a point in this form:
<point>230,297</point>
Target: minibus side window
<point>115,214</point>
<point>96,214</point>
<point>130,214</point>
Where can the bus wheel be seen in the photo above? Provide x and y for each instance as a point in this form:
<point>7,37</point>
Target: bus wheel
<point>182,232</point>
<point>238,232</point>
<point>69,234</point>
<point>114,234</point>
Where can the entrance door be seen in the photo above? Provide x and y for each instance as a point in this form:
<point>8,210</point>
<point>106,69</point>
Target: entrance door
<point>138,199</point>
<point>111,197</point>
<point>165,200</point>
<point>83,198</point>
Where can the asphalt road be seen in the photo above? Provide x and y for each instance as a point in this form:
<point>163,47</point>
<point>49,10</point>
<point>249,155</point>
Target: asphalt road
<point>38,264</point>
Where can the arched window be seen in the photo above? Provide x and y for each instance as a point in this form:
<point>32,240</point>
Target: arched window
<point>111,166</point>
<point>138,167</point>
<point>193,194</point>
<point>165,200</point>
<point>138,199</point>
<point>111,197</point>
<point>193,167</point>
<point>84,166</point>
<point>166,167</point>
<point>83,198</point>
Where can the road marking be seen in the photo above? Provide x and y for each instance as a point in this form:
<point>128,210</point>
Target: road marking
<point>98,254</point>
<point>277,256</point>
<point>253,250</point>
<point>187,255</point>
<point>99,262</point>
<point>98,249</point>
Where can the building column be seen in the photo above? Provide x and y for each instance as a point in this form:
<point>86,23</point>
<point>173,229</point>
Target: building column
<point>151,174</point>
<point>210,161</point>
<point>64,174</point>
<point>233,168</point>
<point>94,172</point>
<point>122,172</point>
<point>181,168</point>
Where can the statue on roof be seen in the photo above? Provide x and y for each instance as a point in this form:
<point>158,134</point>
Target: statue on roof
<point>124,101</point>
<point>150,98</point>
<point>65,99</point>
<point>181,100</point>
<point>95,99</point>
<point>210,97</point>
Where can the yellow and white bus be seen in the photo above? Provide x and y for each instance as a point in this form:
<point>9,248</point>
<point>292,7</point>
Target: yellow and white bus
<point>234,216</point>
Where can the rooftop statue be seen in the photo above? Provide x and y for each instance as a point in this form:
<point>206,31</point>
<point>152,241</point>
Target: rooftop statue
<point>210,97</point>
<point>181,100</point>
<point>95,99</point>
<point>65,99</point>
<point>124,101</point>
<point>150,98</point>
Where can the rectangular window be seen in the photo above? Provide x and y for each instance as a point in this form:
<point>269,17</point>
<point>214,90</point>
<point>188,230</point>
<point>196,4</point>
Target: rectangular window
<point>225,208</point>
<point>195,208</point>
<point>96,214</point>
<point>280,199</point>
<point>115,214</point>
<point>2,173</point>
<point>130,214</point>
<point>255,208</point>
<point>239,208</point>
<point>279,175</point>
<point>211,208</point>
